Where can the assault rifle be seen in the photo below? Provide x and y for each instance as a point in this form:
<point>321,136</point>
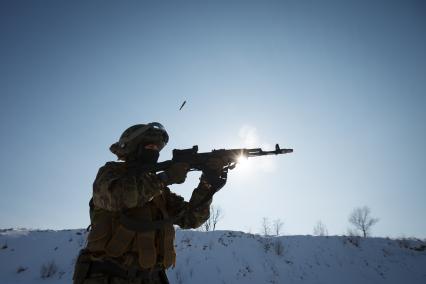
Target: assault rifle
<point>197,160</point>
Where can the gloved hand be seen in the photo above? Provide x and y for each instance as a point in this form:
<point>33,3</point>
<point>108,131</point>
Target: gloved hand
<point>214,173</point>
<point>176,173</point>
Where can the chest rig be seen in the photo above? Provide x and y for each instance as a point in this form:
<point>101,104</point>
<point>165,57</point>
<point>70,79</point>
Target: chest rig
<point>142,231</point>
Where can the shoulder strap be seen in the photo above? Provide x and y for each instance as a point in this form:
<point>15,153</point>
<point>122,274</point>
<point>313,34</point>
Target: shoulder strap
<point>143,227</point>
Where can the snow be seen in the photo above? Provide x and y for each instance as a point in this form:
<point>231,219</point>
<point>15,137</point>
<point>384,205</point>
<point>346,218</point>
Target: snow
<point>231,257</point>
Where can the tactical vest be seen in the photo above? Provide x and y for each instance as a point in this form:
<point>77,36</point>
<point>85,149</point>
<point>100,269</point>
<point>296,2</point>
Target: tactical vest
<point>111,238</point>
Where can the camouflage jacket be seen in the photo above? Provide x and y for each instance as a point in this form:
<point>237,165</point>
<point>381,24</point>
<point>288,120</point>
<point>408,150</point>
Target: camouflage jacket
<point>117,188</point>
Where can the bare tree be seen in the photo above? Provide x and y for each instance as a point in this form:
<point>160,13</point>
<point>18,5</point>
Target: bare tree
<point>215,216</point>
<point>207,225</point>
<point>266,227</point>
<point>320,229</point>
<point>361,219</point>
<point>277,226</point>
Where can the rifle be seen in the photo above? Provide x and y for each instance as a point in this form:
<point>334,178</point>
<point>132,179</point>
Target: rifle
<point>197,160</point>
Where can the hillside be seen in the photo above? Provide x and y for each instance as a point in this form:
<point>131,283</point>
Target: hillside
<point>230,257</point>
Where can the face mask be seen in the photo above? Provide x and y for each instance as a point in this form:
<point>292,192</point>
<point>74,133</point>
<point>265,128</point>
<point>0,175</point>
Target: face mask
<point>148,156</point>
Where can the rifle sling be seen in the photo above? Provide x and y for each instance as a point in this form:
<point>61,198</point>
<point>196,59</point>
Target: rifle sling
<point>143,226</point>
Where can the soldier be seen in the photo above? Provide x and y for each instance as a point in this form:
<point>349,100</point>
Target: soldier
<point>132,211</point>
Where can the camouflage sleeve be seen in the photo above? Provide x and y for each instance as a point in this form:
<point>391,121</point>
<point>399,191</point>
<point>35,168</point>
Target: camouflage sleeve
<point>194,213</point>
<point>115,188</point>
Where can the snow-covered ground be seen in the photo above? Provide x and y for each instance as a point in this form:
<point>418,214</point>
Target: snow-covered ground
<point>230,257</point>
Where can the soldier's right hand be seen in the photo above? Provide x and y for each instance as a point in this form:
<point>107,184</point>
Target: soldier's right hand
<point>177,173</point>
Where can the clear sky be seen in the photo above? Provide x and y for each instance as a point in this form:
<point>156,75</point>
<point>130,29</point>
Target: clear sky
<point>341,82</point>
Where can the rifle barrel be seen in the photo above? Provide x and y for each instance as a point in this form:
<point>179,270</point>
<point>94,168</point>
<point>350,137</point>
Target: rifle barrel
<point>265,153</point>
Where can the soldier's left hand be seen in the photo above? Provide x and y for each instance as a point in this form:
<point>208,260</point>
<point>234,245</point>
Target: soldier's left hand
<point>214,173</point>
<point>214,166</point>
<point>177,173</point>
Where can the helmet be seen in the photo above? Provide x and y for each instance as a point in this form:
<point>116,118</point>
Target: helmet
<point>139,135</point>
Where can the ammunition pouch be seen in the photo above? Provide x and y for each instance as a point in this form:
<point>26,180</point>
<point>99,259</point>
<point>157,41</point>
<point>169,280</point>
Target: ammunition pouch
<point>114,270</point>
<point>120,242</point>
<point>100,233</point>
<point>82,267</point>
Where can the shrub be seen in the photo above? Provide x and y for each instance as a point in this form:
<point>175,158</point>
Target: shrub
<point>21,269</point>
<point>278,248</point>
<point>48,270</point>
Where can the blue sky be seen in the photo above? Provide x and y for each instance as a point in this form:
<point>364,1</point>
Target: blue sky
<point>341,83</point>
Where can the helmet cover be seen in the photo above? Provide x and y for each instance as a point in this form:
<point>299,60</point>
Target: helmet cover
<point>139,135</point>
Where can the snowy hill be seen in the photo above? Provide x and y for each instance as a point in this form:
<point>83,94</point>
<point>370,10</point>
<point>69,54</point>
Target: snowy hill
<point>229,257</point>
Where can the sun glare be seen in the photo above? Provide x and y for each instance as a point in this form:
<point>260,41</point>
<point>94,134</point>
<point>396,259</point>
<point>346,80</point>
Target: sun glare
<point>242,160</point>
<point>243,163</point>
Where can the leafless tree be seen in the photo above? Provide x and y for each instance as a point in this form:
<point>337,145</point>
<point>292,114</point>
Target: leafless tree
<point>266,227</point>
<point>207,225</point>
<point>320,229</point>
<point>361,219</point>
<point>215,216</point>
<point>277,226</point>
